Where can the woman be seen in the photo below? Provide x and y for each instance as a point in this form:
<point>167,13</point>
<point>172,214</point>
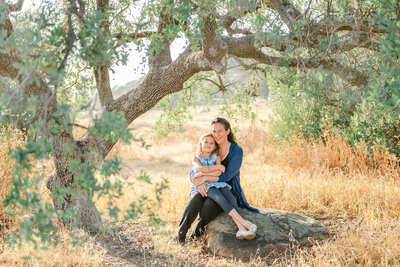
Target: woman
<point>232,157</point>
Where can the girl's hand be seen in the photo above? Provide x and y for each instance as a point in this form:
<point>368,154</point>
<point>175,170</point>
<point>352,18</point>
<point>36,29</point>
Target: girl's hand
<point>202,189</point>
<point>198,181</point>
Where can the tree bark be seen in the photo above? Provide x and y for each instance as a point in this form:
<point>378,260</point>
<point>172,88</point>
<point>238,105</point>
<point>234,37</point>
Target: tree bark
<point>66,150</point>
<point>102,77</point>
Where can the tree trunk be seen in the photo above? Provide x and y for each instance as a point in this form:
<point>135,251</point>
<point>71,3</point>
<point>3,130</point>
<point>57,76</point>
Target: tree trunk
<point>87,215</point>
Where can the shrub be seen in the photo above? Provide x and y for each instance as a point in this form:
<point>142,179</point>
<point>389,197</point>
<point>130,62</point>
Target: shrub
<point>9,138</point>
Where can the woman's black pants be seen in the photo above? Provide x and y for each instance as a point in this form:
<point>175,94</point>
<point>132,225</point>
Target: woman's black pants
<point>207,209</point>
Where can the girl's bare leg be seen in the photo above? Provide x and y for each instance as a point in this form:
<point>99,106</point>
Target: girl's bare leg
<point>237,223</point>
<point>237,219</point>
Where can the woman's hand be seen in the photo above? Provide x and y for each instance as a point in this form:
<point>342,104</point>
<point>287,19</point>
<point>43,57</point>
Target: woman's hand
<point>198,175</point>
<point>202,189</point>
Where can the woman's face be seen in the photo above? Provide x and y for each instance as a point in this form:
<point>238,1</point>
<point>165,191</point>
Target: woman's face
<point>219,133</point>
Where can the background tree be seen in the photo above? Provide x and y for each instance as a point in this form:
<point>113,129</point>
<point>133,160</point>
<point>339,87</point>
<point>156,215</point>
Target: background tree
<point>356,41</point>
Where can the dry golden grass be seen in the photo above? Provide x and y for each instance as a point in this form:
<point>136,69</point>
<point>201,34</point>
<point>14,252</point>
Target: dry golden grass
<point>335,154</point>
<point>65,254</point>
<point>356,196</point>
<point>9,138</point>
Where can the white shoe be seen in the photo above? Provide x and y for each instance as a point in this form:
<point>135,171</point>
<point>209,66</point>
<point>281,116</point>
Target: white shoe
<point>245,234</point>
<point>253,227</point>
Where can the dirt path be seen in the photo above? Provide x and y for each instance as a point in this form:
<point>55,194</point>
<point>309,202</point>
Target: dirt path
<point>136,245</point>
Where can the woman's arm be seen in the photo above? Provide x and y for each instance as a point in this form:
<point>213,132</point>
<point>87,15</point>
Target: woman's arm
<point>235,162</point>
<point>219,165</point>
<point>213,173</point>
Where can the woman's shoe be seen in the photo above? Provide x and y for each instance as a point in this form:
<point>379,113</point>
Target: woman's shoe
<point>245,234</point>
<point>175,240</point>
<point>253,227</point>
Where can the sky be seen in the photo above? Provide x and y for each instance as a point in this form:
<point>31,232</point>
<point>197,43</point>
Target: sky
<point>133,70</point>
<point>120,75</point>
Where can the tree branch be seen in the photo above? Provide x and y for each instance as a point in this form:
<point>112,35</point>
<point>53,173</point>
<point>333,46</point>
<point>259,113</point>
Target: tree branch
<point>70,39</point>
<point>158,83</point>
<point>286,11</point>
<point>243,47</point>
<point>347,73</point>
<point>162,56</point>
<point>213,48</point>
<point>229,20</point>
<point>354,40</point>
<point>16,7</point>
<point>221,86</point>
<point>101,72</point>
<point>247,66</point>
<point>132,36</point>
<point>358,23</point>
<point>78,12</point>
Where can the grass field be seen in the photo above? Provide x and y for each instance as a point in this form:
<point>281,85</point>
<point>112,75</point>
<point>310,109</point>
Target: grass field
<point>359,201</point>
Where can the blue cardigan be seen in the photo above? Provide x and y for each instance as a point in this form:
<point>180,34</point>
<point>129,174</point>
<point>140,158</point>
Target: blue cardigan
<point>235,157</point>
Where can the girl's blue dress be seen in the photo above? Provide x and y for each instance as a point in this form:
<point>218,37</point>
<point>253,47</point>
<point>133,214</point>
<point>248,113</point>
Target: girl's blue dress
<point>212,160</point>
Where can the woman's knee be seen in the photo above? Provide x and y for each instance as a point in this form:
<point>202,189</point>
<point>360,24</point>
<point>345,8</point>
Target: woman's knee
<point>209,209</point>
<point>195,202</point>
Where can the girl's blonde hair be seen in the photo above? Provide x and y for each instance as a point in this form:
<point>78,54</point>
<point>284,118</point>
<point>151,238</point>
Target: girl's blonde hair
<point>200,151</point>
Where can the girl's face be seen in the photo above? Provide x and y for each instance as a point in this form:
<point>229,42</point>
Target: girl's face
<point>219,133</point>
<point>208,144</point>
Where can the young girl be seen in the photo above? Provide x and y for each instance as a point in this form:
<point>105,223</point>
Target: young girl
<point>209,163</point>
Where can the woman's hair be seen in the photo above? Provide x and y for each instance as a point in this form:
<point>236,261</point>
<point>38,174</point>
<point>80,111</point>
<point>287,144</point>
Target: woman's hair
<point>200,151</point>
<point>227,125</point>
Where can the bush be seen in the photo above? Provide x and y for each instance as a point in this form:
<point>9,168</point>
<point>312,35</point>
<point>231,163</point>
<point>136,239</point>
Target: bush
<point>9,138</point>
<point>311,105</point>
<point>372,124</point>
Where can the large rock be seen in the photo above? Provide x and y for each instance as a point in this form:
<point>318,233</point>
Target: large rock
<point>276,230</point>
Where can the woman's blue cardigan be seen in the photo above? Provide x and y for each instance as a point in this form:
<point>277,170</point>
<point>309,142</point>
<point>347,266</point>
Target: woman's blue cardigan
<point>235,157</point>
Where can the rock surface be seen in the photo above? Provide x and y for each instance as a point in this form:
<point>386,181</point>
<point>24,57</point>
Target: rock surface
<point>276,230</point>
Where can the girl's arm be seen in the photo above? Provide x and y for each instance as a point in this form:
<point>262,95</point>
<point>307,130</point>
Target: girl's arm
<point>235,162</point>
<point>218,168</point>
<point>202,177</point>
<point>210,170</point>
<point>196,164</point>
